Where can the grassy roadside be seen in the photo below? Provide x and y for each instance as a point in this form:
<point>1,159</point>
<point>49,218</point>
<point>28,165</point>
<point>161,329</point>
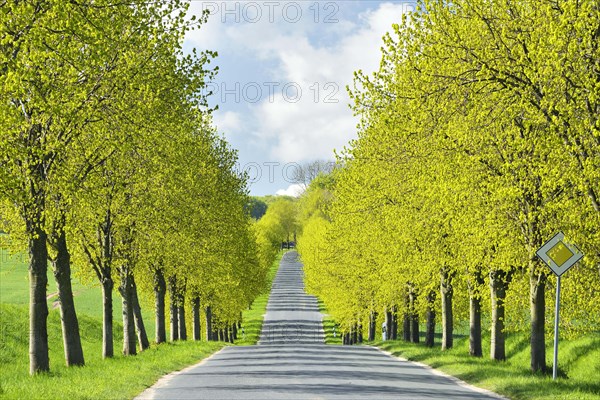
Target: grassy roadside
<point>579,360</point>
<point>579,364</point>
<point>332,331</point>
<point>252,319</point>
<point>121,377</point>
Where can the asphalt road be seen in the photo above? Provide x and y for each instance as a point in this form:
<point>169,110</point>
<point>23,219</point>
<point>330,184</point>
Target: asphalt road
<point>291,361</point>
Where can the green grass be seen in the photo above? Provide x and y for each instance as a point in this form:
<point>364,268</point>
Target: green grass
<point>331,328</point>
<point>252,319</point>
<point>121,377</point>
<point>579,365</point>
<point>14,289</point>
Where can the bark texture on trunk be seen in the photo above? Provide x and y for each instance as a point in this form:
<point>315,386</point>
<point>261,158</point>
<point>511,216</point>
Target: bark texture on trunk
<point>140,328</point>
<point>209,328</point>
<point>126,290</point>
<point>372,325</point>
<point>68,316</point>
<point>160,289</point>
<point>475,346</point>
<point>446,292</point>
<point>414,317</point>
<point>498,286</point>
<point>182,326</point>
<point>38,306</point>
<point>173,309</point>
<point>196,313</point>
<point>406,318</point>
<point>108,348</point>
<point>430,316</point>
<point>360,333</point>
<point>389,324</point>
<point>538,309</point>
<point>394,323</point>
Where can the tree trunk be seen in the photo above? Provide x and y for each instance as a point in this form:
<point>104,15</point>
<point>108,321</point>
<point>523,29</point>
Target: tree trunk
<point>414,318</point>
<point>138,319</point>
<point>394,323</point>
<point>372,325</point>
<point>38,306</point>
<point>108,349</point>
<point>173,309</point>
<point>538,308</point>
<point>129,339</point>
<point>196,313</point>
<point>209,329</point>
<point>234,333</point>
<point>181,311</point>
<point>447,318</point>
<point>160,288</point>
<point>498,286</point>
<point>388,324</point>
<point>406,319</point>
<point>415,328</point>
<point>360,333</point>
<point>104,273</point>
<point>68,316</point>
<point>430,332</point>
<point>475,346</point>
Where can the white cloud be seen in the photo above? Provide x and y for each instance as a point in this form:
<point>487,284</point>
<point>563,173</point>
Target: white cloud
<point>293,190</point>
<point>307,54</point>
<point>312,128</point>
<point>227,122</point>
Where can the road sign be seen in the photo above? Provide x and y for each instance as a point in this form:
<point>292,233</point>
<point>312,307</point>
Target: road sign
<point>558,254</point>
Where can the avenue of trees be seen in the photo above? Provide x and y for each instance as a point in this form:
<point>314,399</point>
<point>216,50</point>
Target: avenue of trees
<point>479,140</point>
<point>110,169</point>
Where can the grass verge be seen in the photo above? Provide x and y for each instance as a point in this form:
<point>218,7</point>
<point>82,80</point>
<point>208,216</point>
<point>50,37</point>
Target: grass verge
<point>579,363</point>
<point>252,318</point>
<point>117,378</point>
<point>331,328</point>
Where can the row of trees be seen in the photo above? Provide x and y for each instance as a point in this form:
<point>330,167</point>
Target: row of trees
<point>110,167</point>
<point>479,139</point>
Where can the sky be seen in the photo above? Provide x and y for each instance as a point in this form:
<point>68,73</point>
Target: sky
<point>283,71</point>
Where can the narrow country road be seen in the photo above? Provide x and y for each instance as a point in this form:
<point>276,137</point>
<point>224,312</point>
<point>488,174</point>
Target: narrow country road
<point>291,361</point>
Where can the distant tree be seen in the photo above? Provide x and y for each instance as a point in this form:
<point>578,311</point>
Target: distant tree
<point>256,208</point>
<point>304,174</point>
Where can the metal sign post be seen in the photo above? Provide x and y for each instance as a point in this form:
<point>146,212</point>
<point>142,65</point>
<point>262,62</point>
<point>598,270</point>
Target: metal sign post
<point>559,256</point>
<point>556,314</point>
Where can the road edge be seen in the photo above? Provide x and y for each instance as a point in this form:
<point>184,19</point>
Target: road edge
<point>148,393</point>
<point>453,378</point>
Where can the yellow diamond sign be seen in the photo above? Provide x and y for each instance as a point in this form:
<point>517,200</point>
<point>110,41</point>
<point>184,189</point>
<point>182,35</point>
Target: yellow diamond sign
<point>558,254</point>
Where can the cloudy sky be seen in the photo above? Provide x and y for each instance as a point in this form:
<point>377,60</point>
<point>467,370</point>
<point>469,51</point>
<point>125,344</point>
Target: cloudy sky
<point>284,67</point>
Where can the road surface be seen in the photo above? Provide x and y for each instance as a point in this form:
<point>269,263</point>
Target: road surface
<point>291,361</point>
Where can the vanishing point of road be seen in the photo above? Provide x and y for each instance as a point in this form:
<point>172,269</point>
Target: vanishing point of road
<point>291,361</point>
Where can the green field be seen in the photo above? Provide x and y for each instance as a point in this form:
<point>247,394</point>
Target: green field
<point>14,290</point>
